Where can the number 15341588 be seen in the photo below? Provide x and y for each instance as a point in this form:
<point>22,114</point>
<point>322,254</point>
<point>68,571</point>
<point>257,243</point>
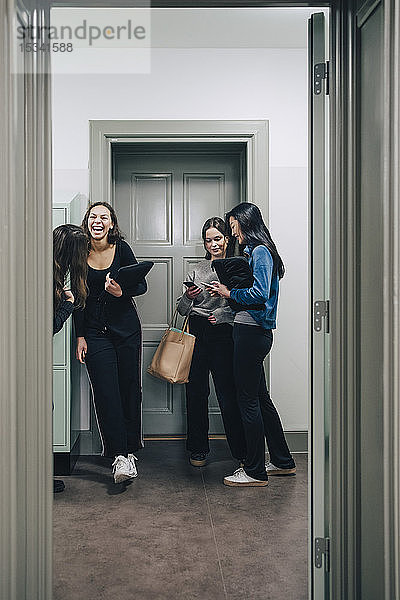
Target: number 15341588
<point>46,47</point>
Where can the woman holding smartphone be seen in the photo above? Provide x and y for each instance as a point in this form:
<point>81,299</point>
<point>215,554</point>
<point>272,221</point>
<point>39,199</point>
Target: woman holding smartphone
<point>210,320</point>
<point>70,249</point>
<point>252,335</point>
<point>109,341</point>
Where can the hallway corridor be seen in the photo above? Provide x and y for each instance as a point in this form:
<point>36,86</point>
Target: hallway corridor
<point>176,532</point>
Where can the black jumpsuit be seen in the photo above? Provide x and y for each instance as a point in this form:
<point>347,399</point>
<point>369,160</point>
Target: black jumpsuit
<point>112,331</point>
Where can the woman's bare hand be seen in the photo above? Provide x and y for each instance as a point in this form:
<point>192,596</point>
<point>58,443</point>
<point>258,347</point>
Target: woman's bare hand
<point>81,349</point>
<point>112,287</point>
<point>69,295</point>
<point>212,320</point>
<point>192,292</point>
<point>219,289</point>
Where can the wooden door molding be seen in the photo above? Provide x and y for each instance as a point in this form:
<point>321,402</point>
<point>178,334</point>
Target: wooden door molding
<point>253,133</point>
<point>26,316</point>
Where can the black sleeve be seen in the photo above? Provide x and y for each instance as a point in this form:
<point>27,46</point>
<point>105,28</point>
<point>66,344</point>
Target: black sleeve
<point>61,315</point>
<point>79,323</point>
<point>128,258</point>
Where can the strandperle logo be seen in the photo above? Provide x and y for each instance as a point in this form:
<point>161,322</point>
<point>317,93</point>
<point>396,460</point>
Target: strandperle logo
<point>83,32</point>
<point>86,41</point>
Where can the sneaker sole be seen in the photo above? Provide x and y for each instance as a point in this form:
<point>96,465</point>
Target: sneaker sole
<point>121,478</point>
<point>281,472</point>
<point>247,484</point>
<point>197,463</point>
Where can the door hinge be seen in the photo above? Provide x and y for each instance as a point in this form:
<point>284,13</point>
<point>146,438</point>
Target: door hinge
<point>321,72</point>
<point>322,546</point>
<point>321,311</point>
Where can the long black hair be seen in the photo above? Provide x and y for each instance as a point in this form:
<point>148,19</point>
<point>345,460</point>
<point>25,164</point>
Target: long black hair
<point>255,232</point>
<point>219,224</point>
<point>70,251</point>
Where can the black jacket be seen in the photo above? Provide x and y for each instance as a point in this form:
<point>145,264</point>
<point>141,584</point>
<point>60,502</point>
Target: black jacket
<point>62,313</point>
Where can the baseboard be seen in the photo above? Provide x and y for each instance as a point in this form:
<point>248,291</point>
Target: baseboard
<point>89,444</point>
<point>297,441</point>
<point>64,462</point>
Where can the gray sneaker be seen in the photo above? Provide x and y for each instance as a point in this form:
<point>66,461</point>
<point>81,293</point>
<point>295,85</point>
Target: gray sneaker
<point>122,469</point>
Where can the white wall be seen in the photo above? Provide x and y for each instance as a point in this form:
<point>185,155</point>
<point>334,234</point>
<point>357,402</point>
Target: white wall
<point>216,83</point>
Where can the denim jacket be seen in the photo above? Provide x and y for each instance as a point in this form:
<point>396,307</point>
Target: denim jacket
<point>265,289</point>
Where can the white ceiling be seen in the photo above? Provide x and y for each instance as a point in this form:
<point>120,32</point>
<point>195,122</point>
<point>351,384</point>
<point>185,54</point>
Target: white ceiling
<point>228,27</point>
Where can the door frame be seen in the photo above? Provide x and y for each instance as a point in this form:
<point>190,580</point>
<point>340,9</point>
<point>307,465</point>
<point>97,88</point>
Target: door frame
<point>25,458</point>
<point>254,134</point>
<point>26,292</point>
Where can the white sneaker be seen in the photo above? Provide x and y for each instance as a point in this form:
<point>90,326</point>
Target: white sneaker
<point>122,469</point>
<point>132,458</point>
<point>273,470</point>
<point>240,478</point>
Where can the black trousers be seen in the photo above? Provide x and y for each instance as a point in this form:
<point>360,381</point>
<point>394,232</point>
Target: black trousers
<point>259,415</point>
<point>113,364</point>
<point>213,353</point>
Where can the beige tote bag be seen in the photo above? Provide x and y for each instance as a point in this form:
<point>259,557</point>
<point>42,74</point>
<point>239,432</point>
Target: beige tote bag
<point>173,357</point>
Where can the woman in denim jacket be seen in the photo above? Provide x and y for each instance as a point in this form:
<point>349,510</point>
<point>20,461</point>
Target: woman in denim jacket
<point>252,335</point>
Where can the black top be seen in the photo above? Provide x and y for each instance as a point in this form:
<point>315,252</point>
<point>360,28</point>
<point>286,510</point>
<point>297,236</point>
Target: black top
<point>105,311</point>
<point>62,313</point>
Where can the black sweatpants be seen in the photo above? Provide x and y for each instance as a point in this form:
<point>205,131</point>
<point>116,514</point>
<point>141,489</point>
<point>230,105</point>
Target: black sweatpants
<point>259,415</point>
<point>213,353</point>
<point>113,364</point>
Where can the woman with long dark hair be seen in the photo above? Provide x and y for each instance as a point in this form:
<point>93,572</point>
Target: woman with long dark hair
<point>210,321</point>
<point>109,340</point>
<point>70,249</point>
<point>252,335</point>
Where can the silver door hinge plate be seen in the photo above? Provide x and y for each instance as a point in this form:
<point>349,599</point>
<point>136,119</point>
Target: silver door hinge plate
<point>321,311</point>
<point>321,72</point>
<point>322,547</point>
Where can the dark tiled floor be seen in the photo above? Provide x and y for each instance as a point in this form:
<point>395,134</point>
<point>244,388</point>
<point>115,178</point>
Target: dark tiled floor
<point>176,532</point>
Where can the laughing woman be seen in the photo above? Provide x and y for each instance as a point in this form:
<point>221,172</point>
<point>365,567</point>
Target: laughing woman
<point>252,335</point>
<point>109,341</point>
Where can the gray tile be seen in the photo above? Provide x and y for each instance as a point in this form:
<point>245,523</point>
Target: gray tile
<point>261,534</point>
<point>153,539</point>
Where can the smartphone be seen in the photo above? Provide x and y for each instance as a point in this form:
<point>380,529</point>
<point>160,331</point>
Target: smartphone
<point>189,284</point>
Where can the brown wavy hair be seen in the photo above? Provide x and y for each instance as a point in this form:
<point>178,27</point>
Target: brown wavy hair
<point>219,224</point>
<point>70,252</point>
<point>113,234</point>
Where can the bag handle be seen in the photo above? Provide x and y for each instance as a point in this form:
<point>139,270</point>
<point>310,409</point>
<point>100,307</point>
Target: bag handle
<point>185,327</point>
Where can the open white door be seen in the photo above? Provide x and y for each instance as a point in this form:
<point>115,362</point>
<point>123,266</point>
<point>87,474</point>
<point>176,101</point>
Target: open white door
<point>319,322</point>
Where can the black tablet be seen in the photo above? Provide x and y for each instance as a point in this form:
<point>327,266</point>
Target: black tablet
<point>130,275</point>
